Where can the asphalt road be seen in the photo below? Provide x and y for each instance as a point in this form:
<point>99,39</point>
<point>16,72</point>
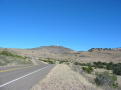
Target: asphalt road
<point>23,78</point>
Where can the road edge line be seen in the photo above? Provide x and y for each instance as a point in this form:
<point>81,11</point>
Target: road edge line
<point>23,77</point>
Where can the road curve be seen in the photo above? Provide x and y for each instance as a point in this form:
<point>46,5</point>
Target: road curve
<point>23,78</point>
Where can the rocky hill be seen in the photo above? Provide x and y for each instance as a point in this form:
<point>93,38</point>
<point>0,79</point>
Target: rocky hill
<point>104,49</point>
<point>54,49</point>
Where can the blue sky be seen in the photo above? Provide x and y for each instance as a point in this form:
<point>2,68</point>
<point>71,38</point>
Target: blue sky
<point>77,24</point>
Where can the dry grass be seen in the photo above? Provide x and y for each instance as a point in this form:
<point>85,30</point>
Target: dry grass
<point>63,78</point>
<point>60,53</point>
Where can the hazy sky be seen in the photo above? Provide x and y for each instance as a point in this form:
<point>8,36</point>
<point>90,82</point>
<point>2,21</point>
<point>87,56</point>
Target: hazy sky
<point>77,24</point>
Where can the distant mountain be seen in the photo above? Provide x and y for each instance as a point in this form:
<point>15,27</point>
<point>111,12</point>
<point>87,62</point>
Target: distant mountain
<point>54,49</point>
<point>63,53</point>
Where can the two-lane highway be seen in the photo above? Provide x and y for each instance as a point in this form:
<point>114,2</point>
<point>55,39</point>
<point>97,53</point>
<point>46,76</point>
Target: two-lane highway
<point>23,78</point>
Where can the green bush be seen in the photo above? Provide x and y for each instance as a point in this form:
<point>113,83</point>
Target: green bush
<point>99,64</point>
<point>117,69</point>
<point>7,53</point>
<point>88,69</point>
<point>106,79</point>
<point>5,60</point>
<point>49,61</point>
<point>62,61</point>
<point>54,61</point>
<point>77,63</point>
<point>109,66</point>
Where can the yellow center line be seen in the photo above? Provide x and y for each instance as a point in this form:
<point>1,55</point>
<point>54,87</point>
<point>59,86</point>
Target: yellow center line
<point>13,69</point>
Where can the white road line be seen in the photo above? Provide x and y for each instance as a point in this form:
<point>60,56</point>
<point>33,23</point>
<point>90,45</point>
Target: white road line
<point>22,77</point>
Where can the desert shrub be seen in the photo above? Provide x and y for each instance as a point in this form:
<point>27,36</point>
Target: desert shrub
<point>106,79</point>
<point>49,61</point>
<point>104,63</point>
<point>83,64</point>
<point>54,61</point>
<point>62,61</point>
<point>88,64</point>
<point>117,69</point>
<point>77,63</point>
<point>99,65</point>
<point>7,53</point>
<point>5,60</point>
<point>109,66</point>
<point>88,69</point>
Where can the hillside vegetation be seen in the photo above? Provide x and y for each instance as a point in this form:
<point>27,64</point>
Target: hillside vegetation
<point>65,54</point>
<point>105,75</point>
<point>62,53</point>
<point>9,58</point>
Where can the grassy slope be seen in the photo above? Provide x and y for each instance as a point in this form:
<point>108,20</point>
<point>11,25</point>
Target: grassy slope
<point>8,58</point>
